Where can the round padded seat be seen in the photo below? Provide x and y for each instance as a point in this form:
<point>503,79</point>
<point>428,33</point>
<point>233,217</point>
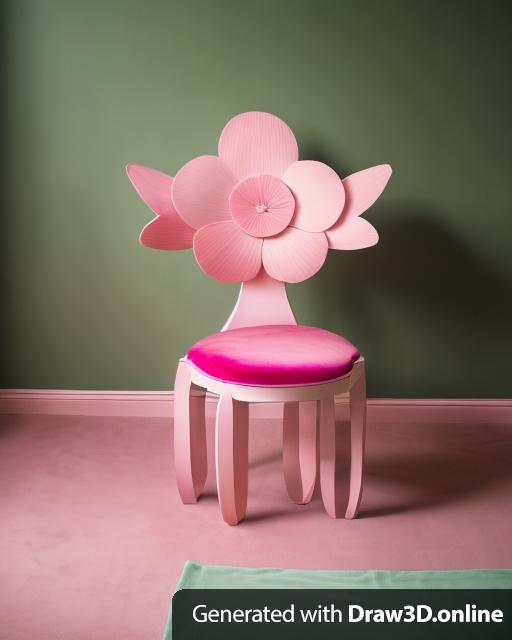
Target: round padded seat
<point>274,355</point>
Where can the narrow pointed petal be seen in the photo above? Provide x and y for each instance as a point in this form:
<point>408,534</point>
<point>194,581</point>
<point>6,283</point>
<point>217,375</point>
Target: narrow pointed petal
<point>352,233</point>
<point>153,186</point>
<point>294,255</point>
<point>363,188</point>
<point>167,231</point>
<point>227,253</point>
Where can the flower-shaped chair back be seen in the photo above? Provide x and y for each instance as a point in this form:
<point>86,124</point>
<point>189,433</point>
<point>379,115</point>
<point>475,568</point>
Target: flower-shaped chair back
<point>258,215</point>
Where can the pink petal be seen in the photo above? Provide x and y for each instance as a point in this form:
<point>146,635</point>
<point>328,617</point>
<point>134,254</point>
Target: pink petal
<point>257,142</point>
<point>227,253</point>
<point>294,255</point>
<point>362,190</point>
<point>353,233</point>
<point>262,205</point>
<point>168,233</point>
<point>154,187</point>
<point>201,189</point>
<point>319,194</point>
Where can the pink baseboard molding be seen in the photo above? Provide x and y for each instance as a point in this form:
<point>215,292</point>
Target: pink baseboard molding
<point>159,404</point>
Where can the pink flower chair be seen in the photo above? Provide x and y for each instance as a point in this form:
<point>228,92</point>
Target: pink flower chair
<point>258,215</point>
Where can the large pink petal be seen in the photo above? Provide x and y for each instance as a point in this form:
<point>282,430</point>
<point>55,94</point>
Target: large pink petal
<point>294,255</point>
<point>227,253</point>
<point>319,194</point>
<point>153,186</point>
<point>167,231</point>
<point>201,189</point>
<point>352,233</point>
<point>362,189</point>
<point>257,142</point>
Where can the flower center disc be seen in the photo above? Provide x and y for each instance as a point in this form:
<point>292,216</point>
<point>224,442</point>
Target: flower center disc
<point>262,205</point>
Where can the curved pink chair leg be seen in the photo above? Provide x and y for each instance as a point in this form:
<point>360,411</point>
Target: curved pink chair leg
<point>190,458</point>
<point>299,450</point>
<point>331,482</point>
<point>357,440</point>
<point>231,454</point>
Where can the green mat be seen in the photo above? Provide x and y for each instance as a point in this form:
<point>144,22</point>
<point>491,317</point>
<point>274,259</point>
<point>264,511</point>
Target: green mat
<point>204,576</point>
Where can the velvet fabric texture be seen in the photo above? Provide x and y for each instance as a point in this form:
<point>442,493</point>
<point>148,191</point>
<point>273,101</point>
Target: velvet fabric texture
<point>274,355</point>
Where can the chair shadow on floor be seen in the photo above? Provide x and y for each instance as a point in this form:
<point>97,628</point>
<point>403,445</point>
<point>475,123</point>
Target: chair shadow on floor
<point>408,468</point>
<point>459,461</point>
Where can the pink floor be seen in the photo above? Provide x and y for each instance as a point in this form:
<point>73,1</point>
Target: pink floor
<point>93,536</point>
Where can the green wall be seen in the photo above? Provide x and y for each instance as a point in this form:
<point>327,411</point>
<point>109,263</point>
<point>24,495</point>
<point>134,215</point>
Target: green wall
<point>91,85</point>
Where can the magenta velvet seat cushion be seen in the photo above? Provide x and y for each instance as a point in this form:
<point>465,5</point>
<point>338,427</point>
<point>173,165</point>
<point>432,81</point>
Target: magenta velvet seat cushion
<point>274,355</point>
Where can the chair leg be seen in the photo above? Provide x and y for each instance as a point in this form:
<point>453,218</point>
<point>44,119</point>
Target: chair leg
<point>299,450</point>
<point>190,458</point>
<point>357,440</point>
<point>231,454</point>
<point>331,483</point>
